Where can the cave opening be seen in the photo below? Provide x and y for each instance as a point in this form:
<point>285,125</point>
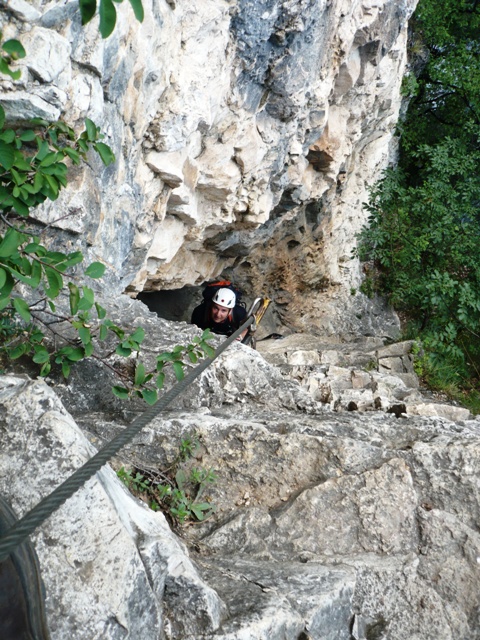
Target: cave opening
<point>172,304</point>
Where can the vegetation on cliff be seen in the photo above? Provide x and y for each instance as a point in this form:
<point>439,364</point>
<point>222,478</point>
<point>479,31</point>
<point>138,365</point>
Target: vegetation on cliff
<point>423,237</point>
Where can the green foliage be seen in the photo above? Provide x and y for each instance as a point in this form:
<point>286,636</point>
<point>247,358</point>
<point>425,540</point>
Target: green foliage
<point>423,233</point>
<point>137,482</point>
<point>107,13</point>
<point>33,168</point>
<point>33,160</point>
<point>147,383</point>
<point>11,51</point>
<point>181,492</point>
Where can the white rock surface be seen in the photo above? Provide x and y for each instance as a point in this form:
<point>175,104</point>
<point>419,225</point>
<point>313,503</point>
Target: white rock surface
<point>236,119</point>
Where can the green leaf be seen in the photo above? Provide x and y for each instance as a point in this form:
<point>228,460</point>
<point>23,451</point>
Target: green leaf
<point>108,17</point>
<point>36,274</point>
<point>28,135</point>
<point>139,374</point>
<point>8,136</point>
<point>120,392</point>
<point>4,68</point>
<point>55,282</point>
<point>66,368</point>
<point>3,277</point>
<point>72,154</point>
<point>7,155</point>
<point>43,149</point>
<point>21,162</point>
<point>150,396</point>
<point>178,370</point>
<point>138,335</point>
<point>45,370</point>
<point>123,351</point>
<point>106,154</point>
<point>38,182</point>
<point>101,312</point>
<point>137,9</point>
<point>87,10</point>
<point>18,275</point>
<point>85,335</point>
<point>2,116</point>
<point>49,159</point>
<point>22,308</point>
<point>6,289</point>
<point>10,243</point>
<point>95,270</point>
<point>74,298</point>
<point>34,247</point>
<point>18,178</point>
<point>199,509</point>
<point>17,352</point>
<point>166,356</point>
<point>20,207</point>
<point>103,332</point>
<point>180,479</point>
<point>41,355</point>
<point>75,354</point>
<point>88,349</point>
<point>71,259</point>
<point>208,349</point>
<point>88,299</point>
<point>193,358</point>
<point>160,380</point>
<point>83,145</point>
<point>53,185</point>
<point>14,48</point>
<point>91,129</point>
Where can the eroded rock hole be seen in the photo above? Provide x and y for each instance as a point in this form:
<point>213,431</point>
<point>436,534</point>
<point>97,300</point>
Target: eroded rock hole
<point>172,304</point>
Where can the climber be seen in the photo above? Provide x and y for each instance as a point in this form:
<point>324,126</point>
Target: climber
<point>220,313</point>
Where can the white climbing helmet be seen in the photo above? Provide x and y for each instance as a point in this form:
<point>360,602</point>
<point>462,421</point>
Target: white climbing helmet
<point>225,298</point>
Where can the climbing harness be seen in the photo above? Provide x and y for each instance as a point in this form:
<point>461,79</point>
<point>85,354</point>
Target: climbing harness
<point>34,518</point>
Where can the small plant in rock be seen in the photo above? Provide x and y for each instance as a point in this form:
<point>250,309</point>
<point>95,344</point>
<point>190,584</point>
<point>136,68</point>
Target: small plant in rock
<point>372,365</point>
<point>137,482</point>
<point>183,499</point>
<point>181,492</point>
<point>420,359</point>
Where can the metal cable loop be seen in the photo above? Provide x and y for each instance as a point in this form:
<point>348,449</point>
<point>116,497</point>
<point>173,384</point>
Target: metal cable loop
<point>36,516</point>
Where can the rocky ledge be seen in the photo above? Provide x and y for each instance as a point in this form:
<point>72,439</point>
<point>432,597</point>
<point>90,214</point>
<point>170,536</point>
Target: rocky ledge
<point>331,523</point>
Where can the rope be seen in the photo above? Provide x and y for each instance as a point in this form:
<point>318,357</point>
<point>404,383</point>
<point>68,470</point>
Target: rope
<point>34,518</point>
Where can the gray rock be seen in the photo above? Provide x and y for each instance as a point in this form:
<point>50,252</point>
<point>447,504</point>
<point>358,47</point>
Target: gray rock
<point>48,53</point>
<point>22,10</point>
<point>397,349</point>
<point>118,558</point>
<point>22,106</point>
<point>447,411</point>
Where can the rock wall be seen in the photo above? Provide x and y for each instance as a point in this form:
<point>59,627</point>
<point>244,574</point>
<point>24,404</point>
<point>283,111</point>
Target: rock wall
<point>246,134</point>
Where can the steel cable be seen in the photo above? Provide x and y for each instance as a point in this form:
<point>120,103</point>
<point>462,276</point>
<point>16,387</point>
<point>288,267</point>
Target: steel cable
<point>48,505</point>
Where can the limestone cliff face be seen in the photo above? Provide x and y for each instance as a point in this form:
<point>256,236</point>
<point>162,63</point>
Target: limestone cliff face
<point>246,134</point>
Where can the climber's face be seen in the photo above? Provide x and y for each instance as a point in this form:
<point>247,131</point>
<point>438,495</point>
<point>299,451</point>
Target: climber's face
<point>219,313</point>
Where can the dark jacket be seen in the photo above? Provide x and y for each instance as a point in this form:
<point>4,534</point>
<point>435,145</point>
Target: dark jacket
<point>201,317</point>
